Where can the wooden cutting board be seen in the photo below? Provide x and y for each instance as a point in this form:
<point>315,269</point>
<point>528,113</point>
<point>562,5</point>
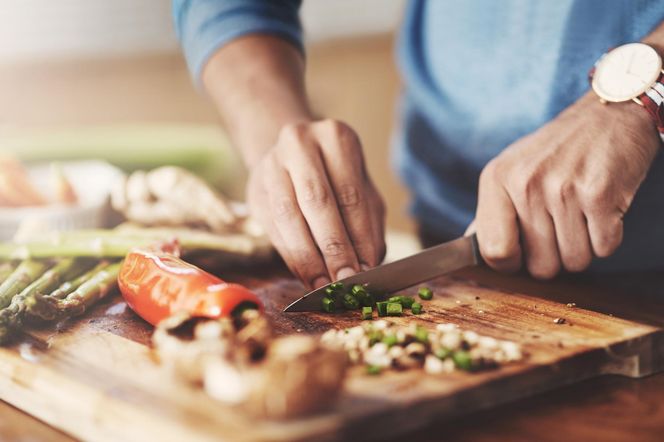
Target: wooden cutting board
<point>95,378</point>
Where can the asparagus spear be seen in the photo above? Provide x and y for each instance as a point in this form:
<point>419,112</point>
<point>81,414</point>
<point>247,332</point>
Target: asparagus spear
<point>117,243</point>
<point>78,301</point>
<point>11,317</point>
<point>6,269</point>
<point>69,286</point>
<point>19,279</point>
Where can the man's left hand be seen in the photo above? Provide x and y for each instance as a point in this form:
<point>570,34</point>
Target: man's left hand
<point>557,197</point>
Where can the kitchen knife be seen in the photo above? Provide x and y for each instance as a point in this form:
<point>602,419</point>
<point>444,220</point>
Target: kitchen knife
<point>388,278</point>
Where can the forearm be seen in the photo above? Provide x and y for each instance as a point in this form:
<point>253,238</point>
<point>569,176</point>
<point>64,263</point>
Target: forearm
<point>257,84</point>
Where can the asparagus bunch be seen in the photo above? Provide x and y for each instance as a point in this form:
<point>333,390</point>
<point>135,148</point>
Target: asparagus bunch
<point>75,298</point>
<point>37,290</point>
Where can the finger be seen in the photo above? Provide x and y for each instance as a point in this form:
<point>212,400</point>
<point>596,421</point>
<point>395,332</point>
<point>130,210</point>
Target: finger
<point>378,223</point>
<point>294,240</point>
<point>318,205</point>
<point>572,236</point>
<point>342,158</point>
<point>539,243</point>
<point>606,233</point>
<point>497,226</point>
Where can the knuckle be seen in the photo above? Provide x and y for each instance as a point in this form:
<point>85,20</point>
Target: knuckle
<point>284,208</point>
<point>497,251</point>
<point>334,247</point>
<point>293,134</point>
<point>597,194</point>
<point>315,194</point>
<point>608,241</point>
<point>349,196</point>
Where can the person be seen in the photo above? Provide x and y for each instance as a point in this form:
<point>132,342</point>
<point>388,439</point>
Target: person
<point>500,133</point>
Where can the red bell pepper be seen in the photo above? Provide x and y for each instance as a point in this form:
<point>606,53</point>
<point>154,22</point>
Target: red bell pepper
<point>157,285</point>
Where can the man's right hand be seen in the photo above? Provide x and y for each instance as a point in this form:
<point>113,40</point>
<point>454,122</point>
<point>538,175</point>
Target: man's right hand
<point>312,194</point>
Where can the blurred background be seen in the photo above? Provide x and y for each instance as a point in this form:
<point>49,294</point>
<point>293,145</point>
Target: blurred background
<point>105,78</point>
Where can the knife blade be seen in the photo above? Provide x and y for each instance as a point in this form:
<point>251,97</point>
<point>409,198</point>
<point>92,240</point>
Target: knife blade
<point>388,278</point>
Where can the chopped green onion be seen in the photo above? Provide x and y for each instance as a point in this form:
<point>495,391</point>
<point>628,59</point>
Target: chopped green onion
<point>367,312</point>
<point>394,309</point>
<point>337,286</point>
<point>390,340</point>
<point>462,360</point>
<point>382,308</point>
<point>329,305</point>
<point>416,308</point>
<point>422,335</point>
<point>375,336</point>
<point>442,353</point>
<point>373,369</point>
<point>405,301</point>
<point>350,302</point>
<point>425,293</point>
<point>357,288</point>
<point>363,296</point>
<point>329,291</point>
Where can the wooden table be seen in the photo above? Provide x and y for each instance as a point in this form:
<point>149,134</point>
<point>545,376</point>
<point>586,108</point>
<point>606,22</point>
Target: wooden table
<point>609,409</point>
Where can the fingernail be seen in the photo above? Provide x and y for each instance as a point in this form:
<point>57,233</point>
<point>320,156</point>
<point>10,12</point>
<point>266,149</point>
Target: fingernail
<point>345,272</point>
<point>321,281</point>
<point>365,267</point>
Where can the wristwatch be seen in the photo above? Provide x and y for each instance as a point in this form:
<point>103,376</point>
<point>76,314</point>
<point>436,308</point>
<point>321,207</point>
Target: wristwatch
<point>631,72</point>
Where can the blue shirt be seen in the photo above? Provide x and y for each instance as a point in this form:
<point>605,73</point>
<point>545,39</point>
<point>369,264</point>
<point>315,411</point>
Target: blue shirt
<point>478,75</point>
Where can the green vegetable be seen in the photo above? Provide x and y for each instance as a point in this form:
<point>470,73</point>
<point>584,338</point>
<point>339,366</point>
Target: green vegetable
<point>116,243</point>
<point>390,340</point>
<point>329,305</point>
<point>425,293</point>
<point>416,308</point>
<point>363,296</point>
<point>367,312</point>
<point>27,272</point>
<point>337,286</point>
<point>350,302</point>
<point>373,369</point>
<point>422,335</point>
<point>382,308</point>
<point>375,336</point>
<point>442,353</point>
<point>394,309</point>
<point>462,360</point>
<point>78,301</point>
<point>405,301</point>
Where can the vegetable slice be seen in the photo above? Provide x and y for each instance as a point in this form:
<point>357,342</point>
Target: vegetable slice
<point>394,309</point>
<point>367,312</point>
<point>425,293</point>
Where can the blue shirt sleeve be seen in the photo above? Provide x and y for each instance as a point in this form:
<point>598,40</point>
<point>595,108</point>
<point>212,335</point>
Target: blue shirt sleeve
<point>203,26</point>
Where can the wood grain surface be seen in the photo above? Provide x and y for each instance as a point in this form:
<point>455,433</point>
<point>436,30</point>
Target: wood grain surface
<point>95,378</point>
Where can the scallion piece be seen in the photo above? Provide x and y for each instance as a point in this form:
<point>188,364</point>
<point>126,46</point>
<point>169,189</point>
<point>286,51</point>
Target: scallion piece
<point>416,308</point>
<point>462,360</point>
<point>442,353</point>
<point>367,312</point>
<point>405,301</point>
<point>422,335</point>
<point>425,293</point>
<point>373,369</point>
<point>382,308</point>
<point>350,302</point>
<point>329,305</point>
<point>390,340</point>
<point>394,309</point>
<point>337,286</point>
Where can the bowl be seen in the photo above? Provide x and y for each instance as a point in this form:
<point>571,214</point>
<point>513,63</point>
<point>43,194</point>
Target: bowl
<point>92,182</point>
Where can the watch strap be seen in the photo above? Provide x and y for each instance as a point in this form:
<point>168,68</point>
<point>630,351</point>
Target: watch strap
<point>653,102</point>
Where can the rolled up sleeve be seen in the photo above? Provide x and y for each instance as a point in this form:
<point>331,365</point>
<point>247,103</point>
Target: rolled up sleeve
<point>204,26</point>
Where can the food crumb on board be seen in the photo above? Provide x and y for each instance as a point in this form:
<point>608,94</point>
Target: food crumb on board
<point>559,321</point>
<point>481,312</point>
<point>477,298</point>
<point>299,330</point>
<point>458,302</point>
<point>571,304</point>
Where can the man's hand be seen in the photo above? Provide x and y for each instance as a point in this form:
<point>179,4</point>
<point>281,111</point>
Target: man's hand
<point>312,194</point>
<point>557,197</point>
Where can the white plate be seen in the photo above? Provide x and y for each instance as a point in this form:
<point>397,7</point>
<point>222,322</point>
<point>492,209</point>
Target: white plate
<point>92,182</point>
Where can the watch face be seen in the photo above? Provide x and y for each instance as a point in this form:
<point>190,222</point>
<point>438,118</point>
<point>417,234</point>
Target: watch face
<point>626,72</point>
